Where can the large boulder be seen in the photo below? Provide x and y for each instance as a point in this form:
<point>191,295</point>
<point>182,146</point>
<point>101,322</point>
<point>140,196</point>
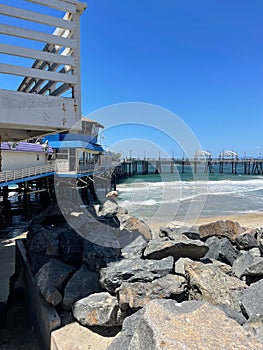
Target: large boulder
<point>135,225</point>
<point>166,325</point>
<point>99,309</point>
<point>123,339</point>
<point>246,241</point>
<point>134,270</point>
<point>212,284</point>
<point>159,249</point>
<point>51,278</point>
<point>242,262</point>
<point>221,249</point>
<point>137,295</point>
<point>71,246</point>
<point>83,283</point>
<point>179,232</point>
<point>252,300</point>
<point>135,248</point>
<point>225,228</point>
<point>97,256</point>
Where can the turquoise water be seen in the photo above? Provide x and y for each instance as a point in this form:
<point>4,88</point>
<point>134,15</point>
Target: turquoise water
<point>188,196</point>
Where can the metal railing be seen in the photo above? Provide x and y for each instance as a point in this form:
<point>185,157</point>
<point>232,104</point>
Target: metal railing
<point>15,174</point>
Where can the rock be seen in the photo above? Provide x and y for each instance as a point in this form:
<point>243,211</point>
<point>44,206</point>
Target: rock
<point>42,244</point>
<point>109,208</point>
<point>50,279</point>
<point>255,327</point>
<point>158,249</point>
<point>166,325</point>
<point>51,216</point>
<point>221,249</point>
<point>225,228</point>
<point>135,248</point>
<point>83,283</point>
<point>73,336</point>
<point>255,252</point>
<point>97,256</point>
<point>252,300</point>
<point>137,295</point>
<point>241,263</point>
<point>134,270</point>
<point>112,195</point>
<point>235,315</point>
<point>71,246</point>
<point>246,241</point>
<point>179,233</point>
<point>210,283</point>
<point>255,269</point>
<point>123,339</point>
<point>135,225</point>
<point>99,309</point>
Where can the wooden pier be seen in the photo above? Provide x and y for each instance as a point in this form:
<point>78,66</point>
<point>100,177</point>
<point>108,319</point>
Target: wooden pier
<point>130,167</point>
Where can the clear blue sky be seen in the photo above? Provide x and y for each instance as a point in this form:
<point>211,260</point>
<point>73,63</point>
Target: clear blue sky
<point>202,60</point>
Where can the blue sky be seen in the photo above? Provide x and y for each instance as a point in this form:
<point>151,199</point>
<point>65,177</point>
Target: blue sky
<point>202,60</point>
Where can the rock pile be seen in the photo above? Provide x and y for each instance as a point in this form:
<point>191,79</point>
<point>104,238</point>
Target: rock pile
<point>188,288</point>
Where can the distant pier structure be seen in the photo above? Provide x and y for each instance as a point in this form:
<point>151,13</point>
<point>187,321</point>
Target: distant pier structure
<point>222,165</point>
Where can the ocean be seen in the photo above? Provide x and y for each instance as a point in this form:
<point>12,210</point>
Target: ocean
<point>183,197</point>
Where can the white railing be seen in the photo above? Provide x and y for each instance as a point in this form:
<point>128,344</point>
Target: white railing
<point>15,174</point>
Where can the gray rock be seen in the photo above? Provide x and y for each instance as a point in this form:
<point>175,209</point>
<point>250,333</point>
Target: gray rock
<point>179,233</point>
<point>50,279</point>
<point>255,327</point>
<point>135,248</point>
<point>235,315</point>
<point>97,256</point>
<point>166,325</point>
<point>246,241</point>
<point>255,252</point>
<point>225,228</point>
<point>123,339</point>
<point>221,249</point>
<point>99,309</point>
<point>158,249</point>
<point>241,263</point>
<point>134,270</point>
<point>135,225</point>
<point>109,208</point>
<point>83,283</point>
<point>212,284</point>
<point>136,295</point>
<point>252,300</point>
<point>255,268</point>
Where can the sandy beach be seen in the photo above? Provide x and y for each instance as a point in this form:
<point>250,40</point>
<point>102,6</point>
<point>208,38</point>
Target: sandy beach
<point>248,221</point>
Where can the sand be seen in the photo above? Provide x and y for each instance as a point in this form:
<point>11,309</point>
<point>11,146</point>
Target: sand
<point>248,221</point>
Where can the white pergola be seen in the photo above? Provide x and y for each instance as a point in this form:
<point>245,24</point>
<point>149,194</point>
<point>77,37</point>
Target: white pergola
<point>38,106</point>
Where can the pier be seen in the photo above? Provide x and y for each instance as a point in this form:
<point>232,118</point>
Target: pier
<point>131,167</point>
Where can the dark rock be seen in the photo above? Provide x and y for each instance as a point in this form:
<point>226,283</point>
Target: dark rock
<point>225,228</point>
<point>137,295</point>
<point>246,241</point>
<point>221,249</point>
<point>208,282</point>
<point>123,339</point>
<point>135,248</point>
<point>98,256</point>
<point>165,324</point>
<point>71,246</point>
<point>134,270</point>
<point>83,283</point>
<point>158,249</point>
<point>252,300</point>
<point>99,309</point>
<point>241,263</point>
<point>50,280</point>
<point>51,216</point>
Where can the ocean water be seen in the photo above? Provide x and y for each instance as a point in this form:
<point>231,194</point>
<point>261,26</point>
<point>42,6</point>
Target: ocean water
<point>184,197</point>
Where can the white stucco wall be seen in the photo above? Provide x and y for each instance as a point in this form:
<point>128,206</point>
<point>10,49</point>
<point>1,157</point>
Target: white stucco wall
<point>18,160</point>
